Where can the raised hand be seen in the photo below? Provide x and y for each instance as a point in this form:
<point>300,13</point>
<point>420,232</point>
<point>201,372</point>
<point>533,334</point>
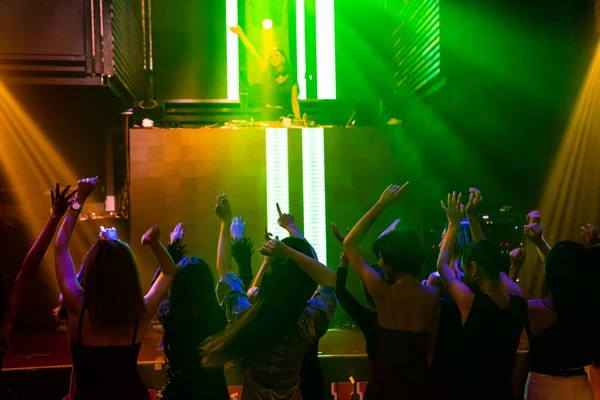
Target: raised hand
<point>223,208</point>
<point>534,233</point>
<point>109,233</point>
<point>286,221</point>
<point>152,235</point>
<point>268,236</point>
<point>344,260</point>
<point>590,236</point>
<point>237,228</point>
<point>517,258</point>
<point>392,195</point>
<point>61,200</point>
<point>85,188</point>
<point>337,234</point>
<point>177,233</point>
<point>274,248</point>
<point>474,200</point>
<point>455,209</point>
<point>236,29</point>
<point>534,217</point>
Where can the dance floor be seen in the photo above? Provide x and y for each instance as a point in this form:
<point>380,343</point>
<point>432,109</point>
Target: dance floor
<point>44,359</point>
<point>51,350</point>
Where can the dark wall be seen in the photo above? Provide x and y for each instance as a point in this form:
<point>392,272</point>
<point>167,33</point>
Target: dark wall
<point>42,27</point>
<point>177,173</point>
<point>189,46</point>
<point>74,120</point>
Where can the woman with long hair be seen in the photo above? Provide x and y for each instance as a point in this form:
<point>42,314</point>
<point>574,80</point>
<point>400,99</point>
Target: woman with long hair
<point>12,294</point>
<point>280,85</point>
<point>407,312</point>
<point>107,315</point>
<point>189,315</point>
<point>492,310</point>
<point>270,337</point>
<point>560,327</point>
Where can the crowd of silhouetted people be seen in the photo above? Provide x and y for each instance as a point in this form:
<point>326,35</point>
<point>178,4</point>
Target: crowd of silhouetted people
<point>452,336</point>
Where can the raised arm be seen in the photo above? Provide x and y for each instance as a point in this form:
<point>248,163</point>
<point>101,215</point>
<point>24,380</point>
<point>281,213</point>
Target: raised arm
<point>242,249</point>
<point>175,248</point>
<point>287,222</point>
<point>248,45</point>
<point>471,211</point>
<point>31,264</point>
<point>509,283</point>
<point>517,260</point>
<point>535,233</point>
<point>320,273</point>
<point>295,102</point>
<point>590,236</point>
<point>462,295</point>
<point>167,270</point>
<point>267,237</point>
<point>372,280</point>
<point>359,313</point>
<point>65,269</point>
<point>223,211</point>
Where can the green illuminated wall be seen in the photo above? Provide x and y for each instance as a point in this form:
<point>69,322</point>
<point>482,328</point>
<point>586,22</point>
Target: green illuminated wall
<point>414,49</point>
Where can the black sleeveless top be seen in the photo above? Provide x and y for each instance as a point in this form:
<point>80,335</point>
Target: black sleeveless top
<point>279,93</point>
<point>401,367</point>
<point>489,341</point>
<point>107,372</point>
<point>564,349</point>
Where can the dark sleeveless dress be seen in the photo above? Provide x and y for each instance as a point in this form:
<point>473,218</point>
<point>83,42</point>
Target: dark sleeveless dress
<point>401,368</point>
<point>107,372</point>
<point>278,97</point>
<point>489,342</point>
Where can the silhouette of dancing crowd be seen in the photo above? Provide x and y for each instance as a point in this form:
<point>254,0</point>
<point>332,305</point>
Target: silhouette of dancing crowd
<point>453,336</point>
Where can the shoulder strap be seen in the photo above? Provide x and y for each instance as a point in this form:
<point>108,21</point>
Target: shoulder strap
<point>80,328</point>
